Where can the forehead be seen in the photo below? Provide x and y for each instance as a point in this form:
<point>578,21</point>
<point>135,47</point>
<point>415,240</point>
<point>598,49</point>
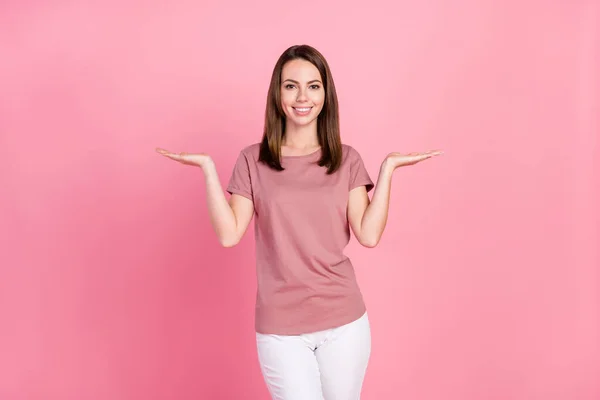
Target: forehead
<point>300,70</point>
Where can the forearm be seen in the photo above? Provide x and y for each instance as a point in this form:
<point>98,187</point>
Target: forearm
<point>221,214</point>
<point>376,214</point>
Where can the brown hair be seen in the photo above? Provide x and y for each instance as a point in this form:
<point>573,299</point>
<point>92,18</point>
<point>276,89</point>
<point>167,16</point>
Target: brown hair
<point>328,125</point>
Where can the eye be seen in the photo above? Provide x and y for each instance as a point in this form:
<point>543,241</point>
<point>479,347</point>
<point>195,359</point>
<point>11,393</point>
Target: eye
<point>289,86</point>
<point>316,87</point>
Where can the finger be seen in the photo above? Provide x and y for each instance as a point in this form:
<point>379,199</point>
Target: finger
<point>423,156</point>
<point>173,156</point>
<point>430,154</point>
<point>167,153</point>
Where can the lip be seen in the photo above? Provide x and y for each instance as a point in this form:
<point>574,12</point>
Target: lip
<point>305,111</point>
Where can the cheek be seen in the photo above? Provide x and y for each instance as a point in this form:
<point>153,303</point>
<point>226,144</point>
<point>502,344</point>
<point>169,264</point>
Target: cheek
<point>319,98</point>
<point>286,99</point>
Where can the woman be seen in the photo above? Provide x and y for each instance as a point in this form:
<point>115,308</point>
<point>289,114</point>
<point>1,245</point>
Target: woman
<point>307,190</point>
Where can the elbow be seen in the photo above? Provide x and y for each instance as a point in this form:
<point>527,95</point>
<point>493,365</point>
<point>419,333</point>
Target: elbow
<point>369,242</point>
<point>228,242</point>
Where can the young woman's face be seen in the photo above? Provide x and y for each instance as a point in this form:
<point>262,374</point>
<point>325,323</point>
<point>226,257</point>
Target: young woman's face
<point>302,92</point>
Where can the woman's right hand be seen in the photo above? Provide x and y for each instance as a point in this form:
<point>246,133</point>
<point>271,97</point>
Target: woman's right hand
<point>196,159</point>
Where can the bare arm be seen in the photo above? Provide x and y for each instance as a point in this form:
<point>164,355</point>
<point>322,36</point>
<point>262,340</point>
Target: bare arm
<point>368,218</point>
<point>229,219</point>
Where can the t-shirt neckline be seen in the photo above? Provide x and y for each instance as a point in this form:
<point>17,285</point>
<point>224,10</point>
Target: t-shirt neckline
<point>303,155</point>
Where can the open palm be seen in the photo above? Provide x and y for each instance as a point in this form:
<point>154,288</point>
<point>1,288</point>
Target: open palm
<point>195,159</point>
<point>400,160</point>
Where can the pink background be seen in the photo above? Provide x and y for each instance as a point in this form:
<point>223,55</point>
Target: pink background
<point>113,285</point>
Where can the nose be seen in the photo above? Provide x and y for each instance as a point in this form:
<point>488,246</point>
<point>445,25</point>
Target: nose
<point>301,96</point>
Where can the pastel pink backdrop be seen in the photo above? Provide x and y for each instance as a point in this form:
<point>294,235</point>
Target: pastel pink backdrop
<point>112,283</point>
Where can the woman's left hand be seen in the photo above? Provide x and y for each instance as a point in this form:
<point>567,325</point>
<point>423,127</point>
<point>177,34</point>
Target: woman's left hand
<point>395,160</point>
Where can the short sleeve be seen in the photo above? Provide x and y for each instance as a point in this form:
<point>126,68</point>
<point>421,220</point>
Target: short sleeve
<point>240,182</point>
<point>359,176</point>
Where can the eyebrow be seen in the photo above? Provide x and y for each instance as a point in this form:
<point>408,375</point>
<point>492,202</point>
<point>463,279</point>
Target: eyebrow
<point>308,83</point>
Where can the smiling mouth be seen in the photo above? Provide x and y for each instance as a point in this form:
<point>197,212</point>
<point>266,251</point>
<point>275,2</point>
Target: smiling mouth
<point>302,109</point>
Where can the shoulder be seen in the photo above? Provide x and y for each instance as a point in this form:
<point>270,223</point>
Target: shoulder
<point>251,151</point>
<point>350,153</point>
<point>251,148</point>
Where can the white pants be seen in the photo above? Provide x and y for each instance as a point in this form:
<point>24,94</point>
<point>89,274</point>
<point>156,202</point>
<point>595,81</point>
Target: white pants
<point>329,364</point>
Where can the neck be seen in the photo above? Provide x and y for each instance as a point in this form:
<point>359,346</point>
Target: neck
<point>301,137</point>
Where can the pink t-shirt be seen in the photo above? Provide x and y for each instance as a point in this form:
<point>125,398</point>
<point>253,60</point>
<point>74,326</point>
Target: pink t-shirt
<point>305,282</point>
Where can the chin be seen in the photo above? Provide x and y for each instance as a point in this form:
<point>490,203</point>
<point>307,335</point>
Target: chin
<point>301,122</point>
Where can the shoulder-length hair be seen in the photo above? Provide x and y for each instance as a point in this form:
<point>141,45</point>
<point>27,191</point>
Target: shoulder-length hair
<point>328,125</point>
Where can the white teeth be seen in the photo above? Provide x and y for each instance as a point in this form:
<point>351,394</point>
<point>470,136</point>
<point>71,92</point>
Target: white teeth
<point>303,109</point>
